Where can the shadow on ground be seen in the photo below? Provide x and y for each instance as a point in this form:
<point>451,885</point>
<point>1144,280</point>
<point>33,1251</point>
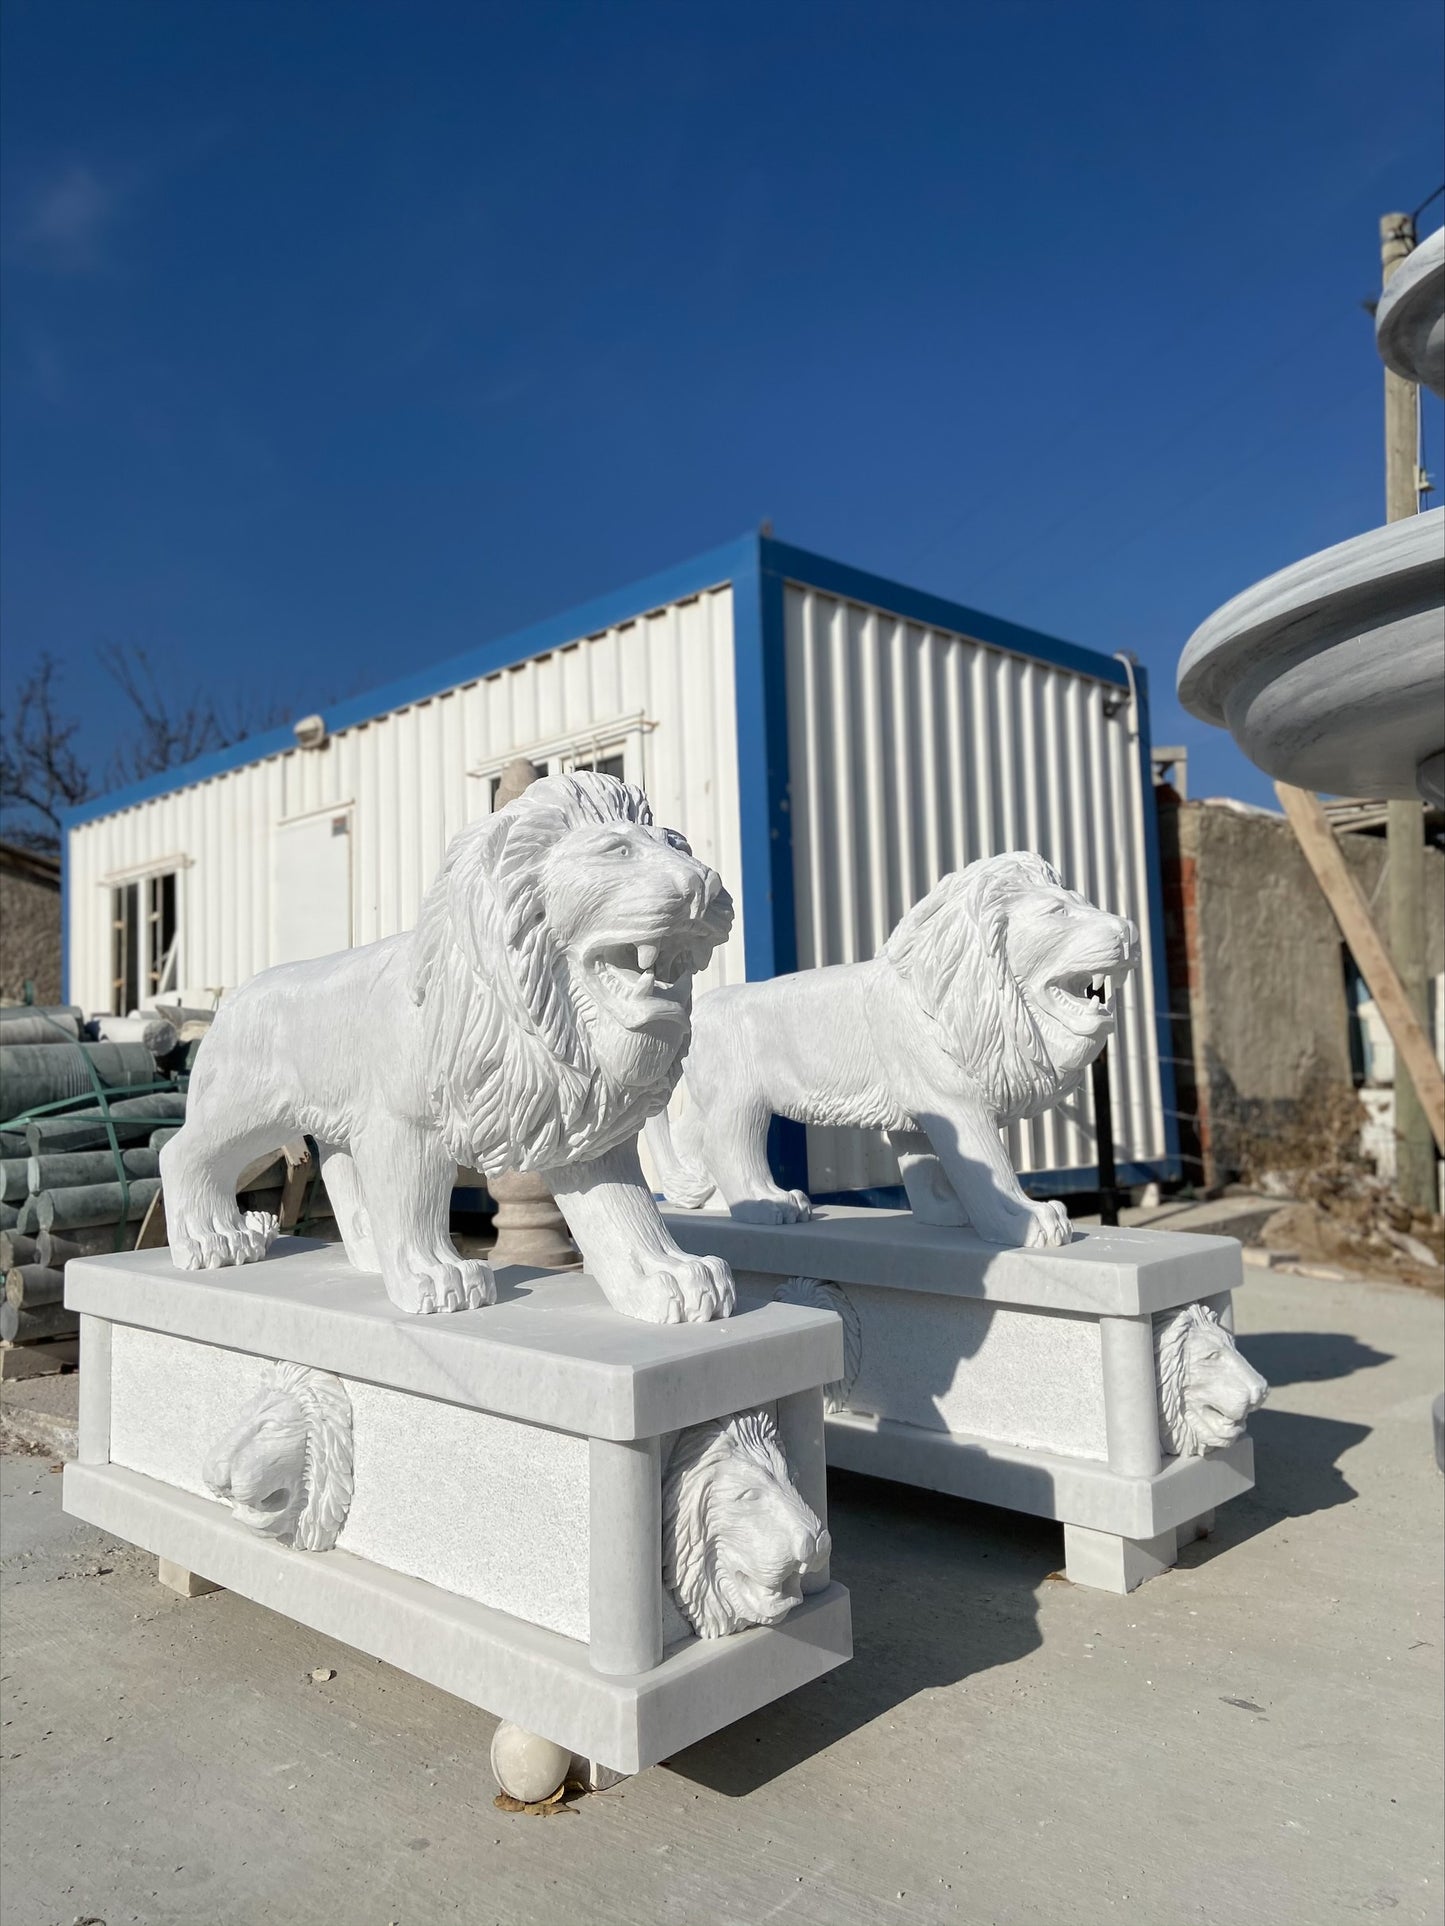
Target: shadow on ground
<point>1309,1357</point>
<point>941,1589</point>
<point>1297,1472</point>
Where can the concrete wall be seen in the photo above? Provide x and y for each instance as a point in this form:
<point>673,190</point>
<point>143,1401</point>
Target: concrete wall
<point>29,926</point>
<point>1257,972</point>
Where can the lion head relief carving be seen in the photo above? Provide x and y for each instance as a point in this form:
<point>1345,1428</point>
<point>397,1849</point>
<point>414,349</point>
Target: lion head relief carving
<point>559,942</point>
<point>1001,957</point>
<point>285,1467</point>
<point>736,1536</point>
<point>1207,1389</point>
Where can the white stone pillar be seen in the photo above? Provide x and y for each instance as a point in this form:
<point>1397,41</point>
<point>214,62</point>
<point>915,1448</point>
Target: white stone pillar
<point>94,1425</point>
<point>625,1556</point>
<point>800,1432</point>
<point>1131,1396</point>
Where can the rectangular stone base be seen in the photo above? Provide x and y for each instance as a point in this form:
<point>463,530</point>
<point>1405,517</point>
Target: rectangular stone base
<point>1024,1379</point>
<point>498,1526</point>
<point>538,1679</point>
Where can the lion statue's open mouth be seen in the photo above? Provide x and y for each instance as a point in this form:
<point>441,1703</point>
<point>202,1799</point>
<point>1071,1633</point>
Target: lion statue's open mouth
<point>642,984</point>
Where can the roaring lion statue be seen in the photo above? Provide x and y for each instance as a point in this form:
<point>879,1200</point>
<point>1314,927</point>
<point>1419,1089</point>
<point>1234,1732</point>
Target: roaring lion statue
<point>1206,1388</point>
<point>285,1466</point>
<point>737,1538</point>
<point>533,1020</point>
<point>975,1014</point>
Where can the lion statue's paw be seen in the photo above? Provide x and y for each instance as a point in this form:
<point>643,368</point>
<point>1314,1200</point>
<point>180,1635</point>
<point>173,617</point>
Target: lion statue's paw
<point>677,1290</point>
<point>1048,1227</point>
<point>789,1207</point>
<point>446,1284</point>
<point>217,1246</point>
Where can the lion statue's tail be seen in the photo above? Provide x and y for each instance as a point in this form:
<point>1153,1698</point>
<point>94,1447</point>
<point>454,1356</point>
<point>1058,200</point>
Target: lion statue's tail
<point>680,1169</point>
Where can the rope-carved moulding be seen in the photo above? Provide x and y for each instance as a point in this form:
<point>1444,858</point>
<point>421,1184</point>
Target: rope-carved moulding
<point>285,1468</point>
<point>821,1296</point>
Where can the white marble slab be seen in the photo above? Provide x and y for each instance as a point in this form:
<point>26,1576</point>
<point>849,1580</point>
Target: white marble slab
<point>436,1485</point>
<point>551,1351</point>
<point>517,1671</point>
<point>1104,1273</point>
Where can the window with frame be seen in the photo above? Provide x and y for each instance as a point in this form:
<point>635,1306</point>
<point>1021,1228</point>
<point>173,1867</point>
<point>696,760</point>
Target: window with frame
<point>609,761</point>
<point>145,940</point>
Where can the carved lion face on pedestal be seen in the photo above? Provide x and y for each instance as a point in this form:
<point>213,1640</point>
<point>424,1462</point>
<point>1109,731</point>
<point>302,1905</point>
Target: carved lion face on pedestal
<point>285,1467</point>
<point>1206,1388</point>
<point>736,1535</point>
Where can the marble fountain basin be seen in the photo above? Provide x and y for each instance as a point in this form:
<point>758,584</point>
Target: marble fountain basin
<point>1410,320</point>
<point>1331,674</point>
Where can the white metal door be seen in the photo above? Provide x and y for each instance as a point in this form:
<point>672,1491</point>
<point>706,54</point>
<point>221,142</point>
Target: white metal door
<point>311,886</point>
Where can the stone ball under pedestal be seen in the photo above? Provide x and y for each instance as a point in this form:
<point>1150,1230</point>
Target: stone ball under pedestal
<point>526,1766</point>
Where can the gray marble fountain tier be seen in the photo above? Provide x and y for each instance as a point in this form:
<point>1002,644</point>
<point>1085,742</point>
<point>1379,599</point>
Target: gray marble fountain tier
<point>1410,320</point>
<point>1331,674</point>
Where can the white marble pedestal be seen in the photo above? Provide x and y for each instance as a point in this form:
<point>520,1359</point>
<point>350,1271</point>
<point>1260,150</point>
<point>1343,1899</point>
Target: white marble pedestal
<point>1024,1379</point>
<point>503,1537</point>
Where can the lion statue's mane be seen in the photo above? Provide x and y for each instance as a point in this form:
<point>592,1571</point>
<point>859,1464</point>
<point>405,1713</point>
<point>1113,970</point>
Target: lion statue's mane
<point>952,951</point>
<point>1196,1360</point>
<point>298,1432</point>
<point>495,988</point>
<point>705,1538</point>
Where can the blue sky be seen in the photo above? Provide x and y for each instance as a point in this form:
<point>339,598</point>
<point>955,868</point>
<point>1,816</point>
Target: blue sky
<point>342,337</point>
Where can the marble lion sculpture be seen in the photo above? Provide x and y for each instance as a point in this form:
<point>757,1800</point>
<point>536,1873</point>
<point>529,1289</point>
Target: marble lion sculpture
<point>975,1014</point>
<point>285,1466</point>
<point>533,1020</point>
<point>1207,1389</point>
<point>737,1538</point>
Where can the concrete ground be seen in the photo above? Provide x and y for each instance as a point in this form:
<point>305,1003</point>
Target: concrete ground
<point>1254,1737</point>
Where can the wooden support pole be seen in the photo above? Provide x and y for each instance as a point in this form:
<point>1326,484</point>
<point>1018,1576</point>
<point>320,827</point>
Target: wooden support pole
<point>1352,913</point>
<point>1404,830</point>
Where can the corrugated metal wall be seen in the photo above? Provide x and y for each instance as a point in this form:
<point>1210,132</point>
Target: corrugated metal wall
<point>914,751</point>
<point>411,779</point>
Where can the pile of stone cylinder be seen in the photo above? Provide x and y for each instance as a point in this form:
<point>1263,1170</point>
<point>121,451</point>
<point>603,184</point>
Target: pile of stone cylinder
<point>87,1104</point>
<point>65,1190</point>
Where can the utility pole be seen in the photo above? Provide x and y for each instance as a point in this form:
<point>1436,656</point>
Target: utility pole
<point>1405,879</point>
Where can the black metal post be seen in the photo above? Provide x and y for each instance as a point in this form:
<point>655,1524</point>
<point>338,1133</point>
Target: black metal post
<point>1104,1135</point>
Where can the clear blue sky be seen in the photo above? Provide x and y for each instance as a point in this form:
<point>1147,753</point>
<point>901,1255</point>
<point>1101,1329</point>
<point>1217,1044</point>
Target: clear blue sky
<point>342,337</point>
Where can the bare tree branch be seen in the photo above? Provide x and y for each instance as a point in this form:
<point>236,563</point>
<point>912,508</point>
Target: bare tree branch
<point>165,736</point>
<point>40,773</point>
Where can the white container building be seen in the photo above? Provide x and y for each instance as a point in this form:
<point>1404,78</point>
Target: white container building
<point>830,741</point>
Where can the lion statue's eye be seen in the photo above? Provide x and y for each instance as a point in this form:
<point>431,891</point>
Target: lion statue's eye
<point>678,842</point>
<point>617,846</point>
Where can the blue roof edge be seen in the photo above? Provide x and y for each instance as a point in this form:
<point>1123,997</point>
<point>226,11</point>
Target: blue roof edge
<point>936,611</point>
<point>687,578</point>
<point>684,579</point>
